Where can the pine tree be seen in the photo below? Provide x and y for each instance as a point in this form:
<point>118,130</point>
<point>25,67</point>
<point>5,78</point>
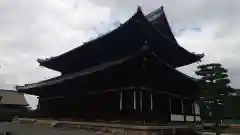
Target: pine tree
<point>215,90</point>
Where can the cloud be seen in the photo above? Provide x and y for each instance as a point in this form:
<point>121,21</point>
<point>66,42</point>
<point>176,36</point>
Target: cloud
<point>32,29</point>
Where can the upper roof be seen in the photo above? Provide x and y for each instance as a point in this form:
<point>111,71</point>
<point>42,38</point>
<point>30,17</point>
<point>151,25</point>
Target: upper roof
<point>124,40</point>
<point>10,97</point>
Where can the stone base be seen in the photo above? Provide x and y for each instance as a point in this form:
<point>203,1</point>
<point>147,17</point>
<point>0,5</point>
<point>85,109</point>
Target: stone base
<point>40,127</point>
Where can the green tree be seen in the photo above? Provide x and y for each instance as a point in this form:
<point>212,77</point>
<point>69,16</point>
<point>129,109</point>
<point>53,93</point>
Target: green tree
<point>1,109</point>
<point>215,90</point>
<point>233,107</point>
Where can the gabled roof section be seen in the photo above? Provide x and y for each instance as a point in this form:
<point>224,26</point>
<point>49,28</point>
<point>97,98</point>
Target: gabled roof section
<point>123,41</point>
<point>10,97</point>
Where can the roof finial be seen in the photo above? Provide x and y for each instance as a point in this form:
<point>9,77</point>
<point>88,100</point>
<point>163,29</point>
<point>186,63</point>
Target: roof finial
<point>139,9</point>
<point>162,7</point>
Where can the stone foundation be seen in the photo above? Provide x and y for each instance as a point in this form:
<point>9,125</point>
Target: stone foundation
<point>51,127</point>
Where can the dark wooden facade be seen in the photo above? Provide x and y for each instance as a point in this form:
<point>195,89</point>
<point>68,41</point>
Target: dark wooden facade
<point>132,104</point>
<point>127,75</point>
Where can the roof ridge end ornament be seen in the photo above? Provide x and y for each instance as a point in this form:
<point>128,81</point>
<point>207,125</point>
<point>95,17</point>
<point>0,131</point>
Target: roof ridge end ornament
<point>139,10</point>
<point>201,55</point>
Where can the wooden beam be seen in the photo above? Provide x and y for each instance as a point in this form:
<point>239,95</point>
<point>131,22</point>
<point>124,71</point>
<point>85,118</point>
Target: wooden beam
<point>120,89</point>
<point>52,98</point>
<point>163,92</point>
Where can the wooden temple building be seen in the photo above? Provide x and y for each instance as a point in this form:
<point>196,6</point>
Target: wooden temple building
<point>128,74</point>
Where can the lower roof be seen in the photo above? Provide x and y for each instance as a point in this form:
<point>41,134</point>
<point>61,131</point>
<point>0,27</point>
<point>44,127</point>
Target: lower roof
<point>123,72</point>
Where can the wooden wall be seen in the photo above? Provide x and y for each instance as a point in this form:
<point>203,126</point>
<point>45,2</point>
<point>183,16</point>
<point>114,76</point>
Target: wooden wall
<point>130,105</point>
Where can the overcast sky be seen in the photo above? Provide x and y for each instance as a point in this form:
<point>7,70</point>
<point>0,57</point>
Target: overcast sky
<point>31,29</point>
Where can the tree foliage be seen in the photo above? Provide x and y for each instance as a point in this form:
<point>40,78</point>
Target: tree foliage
<point>215,90</point>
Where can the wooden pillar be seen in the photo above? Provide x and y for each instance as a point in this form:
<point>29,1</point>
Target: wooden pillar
<point>40,110</point>
<point>141,106</point>
<point>134,101</point>
<point>170,108</point>
<point>134,113</point>
<point>152,118</point>
<point>39,103</point>
<point>137,111</point>
<point>170,105</point>
<point>151,100</point>
<point>182,109</point>
<point>193,111</point>
<point>121,101</point>
<point>120,105</point>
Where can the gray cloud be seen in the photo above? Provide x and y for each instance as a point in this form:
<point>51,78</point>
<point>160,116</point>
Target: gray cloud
<point>31,29</point>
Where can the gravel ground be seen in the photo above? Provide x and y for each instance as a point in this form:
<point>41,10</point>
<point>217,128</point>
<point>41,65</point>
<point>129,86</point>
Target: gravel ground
<point>211,133</point>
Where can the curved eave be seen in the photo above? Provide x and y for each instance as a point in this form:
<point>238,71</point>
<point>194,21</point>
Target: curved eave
<point>199,57</point>
<point>194,58</point>
<point>43,60</point>
<point>46,63</point>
